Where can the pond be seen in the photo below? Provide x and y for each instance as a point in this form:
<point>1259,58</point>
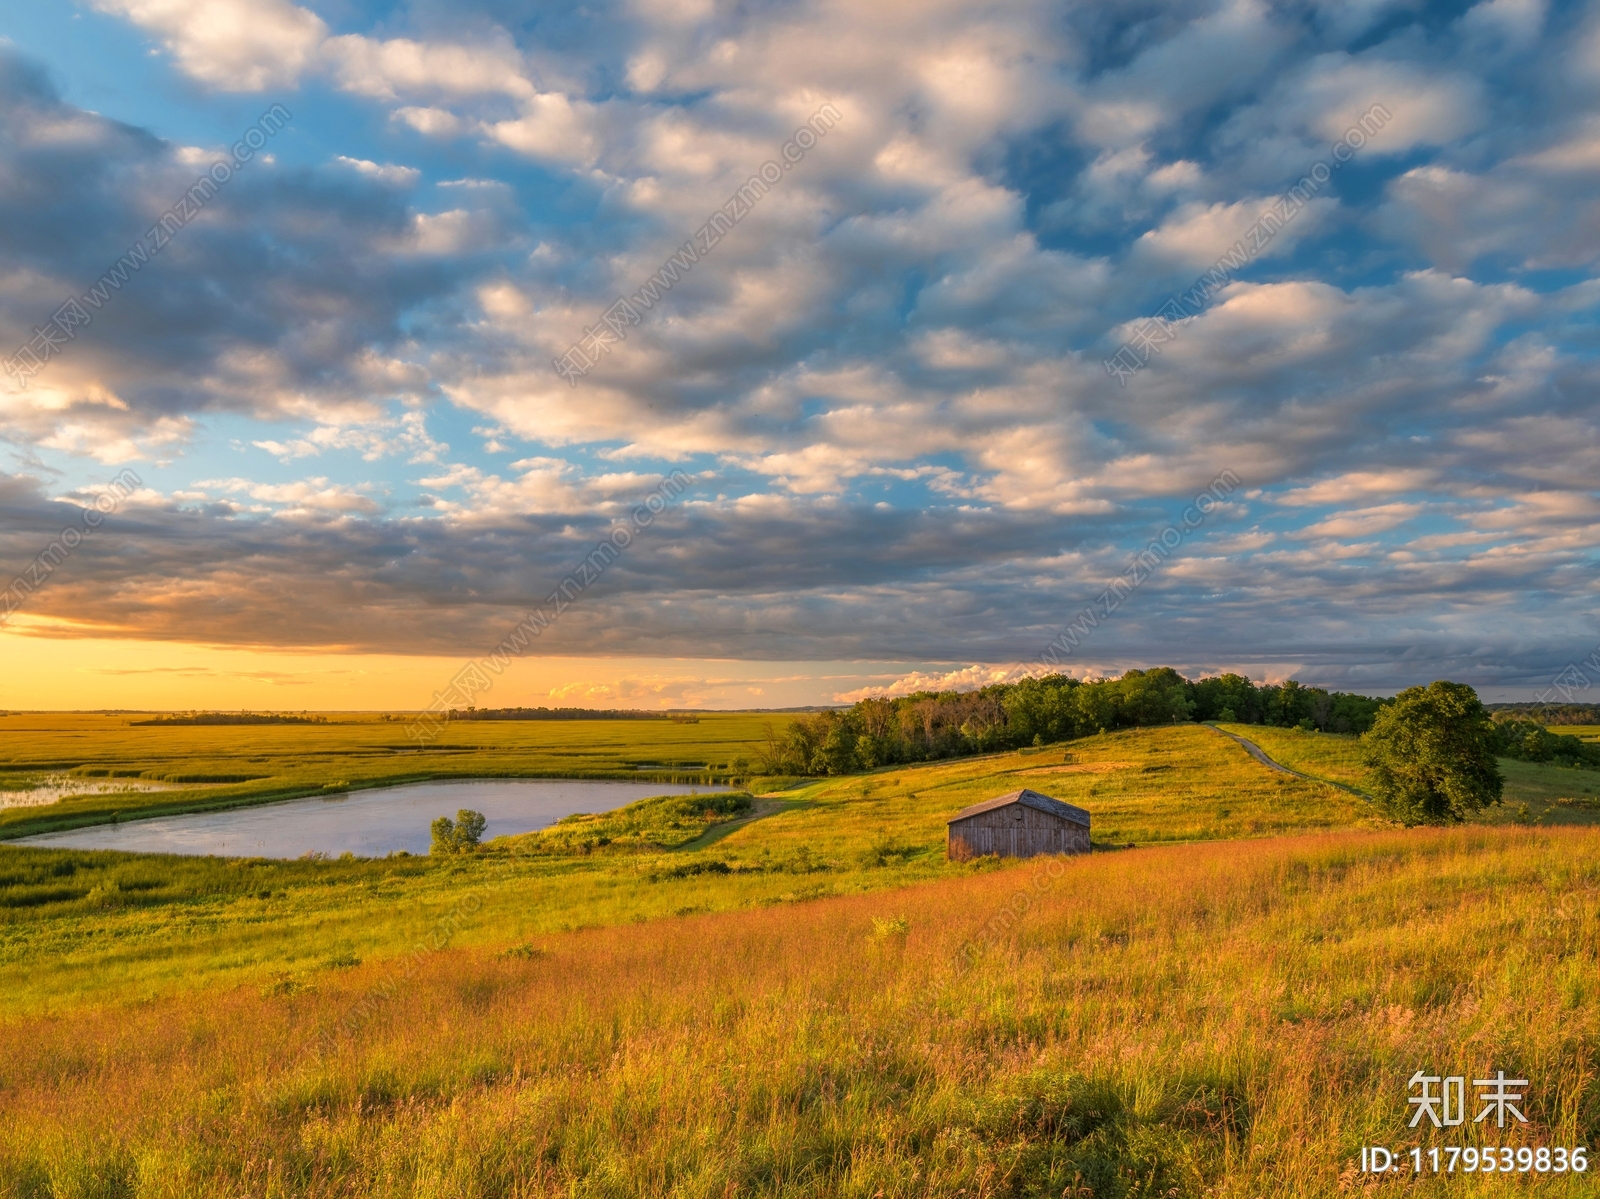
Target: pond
<point>365,823</point>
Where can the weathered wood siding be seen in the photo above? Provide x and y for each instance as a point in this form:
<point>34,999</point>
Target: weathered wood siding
<point>1015,831</point>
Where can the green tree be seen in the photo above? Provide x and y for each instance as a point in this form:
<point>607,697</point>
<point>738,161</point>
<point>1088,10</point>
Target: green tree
<point>1431,754</point>
<point>460,835</point>
<point>1151,697</point>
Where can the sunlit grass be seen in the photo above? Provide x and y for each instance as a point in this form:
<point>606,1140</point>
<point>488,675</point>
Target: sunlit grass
<point>210,924</point>
<point>1552,794</point>
<point>1229,1020</point>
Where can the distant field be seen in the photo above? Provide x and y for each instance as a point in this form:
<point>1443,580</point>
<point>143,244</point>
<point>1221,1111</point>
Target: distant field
<point>1223,1020</point>
<point>1553,794</point>
<point>240,764</point>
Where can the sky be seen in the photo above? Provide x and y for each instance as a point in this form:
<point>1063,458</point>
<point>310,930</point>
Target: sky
<point>941,314</point>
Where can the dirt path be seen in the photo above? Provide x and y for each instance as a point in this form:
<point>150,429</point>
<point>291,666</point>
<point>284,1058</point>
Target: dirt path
<point>1260,755</point>
<point>762,807</point>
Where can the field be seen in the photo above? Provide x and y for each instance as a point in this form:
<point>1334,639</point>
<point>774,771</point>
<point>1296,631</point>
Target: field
<point>226,766</point>
<point>1228,1020</point>
<point>1552,794</point>
<point>81,925</point>
<point>805,999</point>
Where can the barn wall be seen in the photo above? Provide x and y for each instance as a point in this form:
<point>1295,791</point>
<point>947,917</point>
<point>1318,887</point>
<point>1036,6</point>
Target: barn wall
<point>1016,831</point>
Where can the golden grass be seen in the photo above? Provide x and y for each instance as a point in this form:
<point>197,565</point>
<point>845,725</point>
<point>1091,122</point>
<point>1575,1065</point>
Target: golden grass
<point>1224,1020</point>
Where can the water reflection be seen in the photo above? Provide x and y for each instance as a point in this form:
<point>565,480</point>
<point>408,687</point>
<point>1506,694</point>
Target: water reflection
<point>365,823</point>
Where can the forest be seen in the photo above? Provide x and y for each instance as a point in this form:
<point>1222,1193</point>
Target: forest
<point>1037,711</point>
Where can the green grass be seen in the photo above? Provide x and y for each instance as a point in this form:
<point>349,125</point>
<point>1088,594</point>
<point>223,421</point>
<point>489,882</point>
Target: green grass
<point>661,822</point>
<point>1584,732</point>
<point>1552,794</point>
<point>210,925</point>
<point>815,1001</point>
<point>87,934</point>
<point>247,764</point>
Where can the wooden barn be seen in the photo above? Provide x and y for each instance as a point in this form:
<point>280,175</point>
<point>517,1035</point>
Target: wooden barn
<point>1018,825</point>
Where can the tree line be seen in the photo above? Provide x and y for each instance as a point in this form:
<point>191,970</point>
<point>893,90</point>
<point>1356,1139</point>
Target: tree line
<point>1547,713</point>
<point>1037,711</point>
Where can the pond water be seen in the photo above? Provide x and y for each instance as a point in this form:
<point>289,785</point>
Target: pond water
<point>365,823</point>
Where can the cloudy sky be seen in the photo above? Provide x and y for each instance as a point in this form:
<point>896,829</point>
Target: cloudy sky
<point>914,383</point>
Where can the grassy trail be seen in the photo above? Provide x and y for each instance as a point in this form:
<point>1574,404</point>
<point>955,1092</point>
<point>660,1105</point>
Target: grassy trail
<point>1260,755</point>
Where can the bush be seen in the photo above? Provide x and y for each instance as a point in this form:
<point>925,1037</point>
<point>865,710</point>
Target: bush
<point>460,835</point>
<point>1528,741</point>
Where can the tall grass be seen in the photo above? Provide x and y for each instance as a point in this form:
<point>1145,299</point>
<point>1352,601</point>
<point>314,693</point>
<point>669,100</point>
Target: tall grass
<point>1226,1020</point>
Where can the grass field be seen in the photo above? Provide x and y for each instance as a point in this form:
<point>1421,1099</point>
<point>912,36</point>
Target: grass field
<point>78,926</point>
<point>659,1001</point>
<point>1553,794</point>
<point>230,765</point>
<point>1221,1020</point>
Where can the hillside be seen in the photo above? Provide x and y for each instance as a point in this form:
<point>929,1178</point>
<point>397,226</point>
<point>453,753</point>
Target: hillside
<point>1229,1020</point>
<point>80,925</point>
<point>805,998</point>
<point>1552,794</point>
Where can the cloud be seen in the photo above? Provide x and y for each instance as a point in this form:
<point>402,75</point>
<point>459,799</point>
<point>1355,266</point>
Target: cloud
<point>282,297</point>
<point>886,376</point>
<point>304,496</point>
<point>231,45</point>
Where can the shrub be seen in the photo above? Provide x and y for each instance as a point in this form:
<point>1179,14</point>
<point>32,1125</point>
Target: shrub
<point>460,835</point>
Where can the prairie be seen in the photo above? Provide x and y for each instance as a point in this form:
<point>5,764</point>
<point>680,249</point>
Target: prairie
<point>79,926</point>
<point>795,994</point>
<point>1552,794</point>
<point>1213,1019</point>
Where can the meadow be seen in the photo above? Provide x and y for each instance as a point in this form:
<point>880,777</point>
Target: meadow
<point>1535,792</point>
<point>82,926</point>
<point>1221,1020</point>
<point>792,992</point>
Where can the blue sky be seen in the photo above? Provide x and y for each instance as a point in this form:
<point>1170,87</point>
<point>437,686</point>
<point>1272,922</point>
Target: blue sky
<point>888,380</point>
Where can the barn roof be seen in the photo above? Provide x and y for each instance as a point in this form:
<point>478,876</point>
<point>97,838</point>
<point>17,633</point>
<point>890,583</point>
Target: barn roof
<point>1041,803</point>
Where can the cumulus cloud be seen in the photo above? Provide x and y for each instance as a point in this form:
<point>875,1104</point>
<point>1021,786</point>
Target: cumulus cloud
<point>231,45</point>
<point>887,376</point>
